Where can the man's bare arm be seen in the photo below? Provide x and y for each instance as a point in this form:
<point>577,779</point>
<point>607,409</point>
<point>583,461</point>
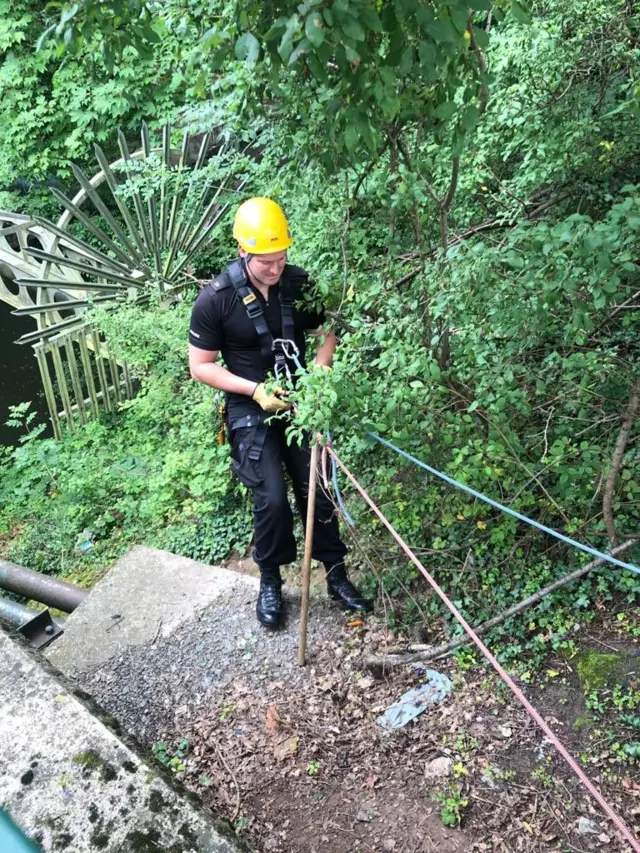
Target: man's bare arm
<point>326,346</point>
<point>203,369</point>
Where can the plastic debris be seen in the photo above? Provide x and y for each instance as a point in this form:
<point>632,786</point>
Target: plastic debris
<point>86,541</point>
<point>415,701</point>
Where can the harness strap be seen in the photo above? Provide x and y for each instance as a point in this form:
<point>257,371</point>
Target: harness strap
<point>245,421</point>
<point>237,272</point>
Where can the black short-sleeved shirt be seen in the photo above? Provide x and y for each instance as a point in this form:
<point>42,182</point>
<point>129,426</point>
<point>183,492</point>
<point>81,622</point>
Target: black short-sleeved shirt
<point>219,322</point>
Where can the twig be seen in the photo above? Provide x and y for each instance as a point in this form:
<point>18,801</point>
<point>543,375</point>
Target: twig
<point>391,660</point>
<point>342,323</point>
<point>616,461</point>
<point>606,645</point>
<point>546,432</point>
<point>157,633</point>
<point>236,810</point>
<point>369,168</point>
<point>408,277</point>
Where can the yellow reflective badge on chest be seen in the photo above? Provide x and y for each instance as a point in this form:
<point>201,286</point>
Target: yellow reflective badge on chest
<point>249,299</point>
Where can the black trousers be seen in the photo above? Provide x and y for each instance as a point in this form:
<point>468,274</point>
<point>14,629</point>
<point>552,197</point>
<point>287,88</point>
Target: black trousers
<point>260,455</point>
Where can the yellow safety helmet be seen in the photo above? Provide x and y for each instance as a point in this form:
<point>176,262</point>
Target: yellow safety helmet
<point>261,227</point>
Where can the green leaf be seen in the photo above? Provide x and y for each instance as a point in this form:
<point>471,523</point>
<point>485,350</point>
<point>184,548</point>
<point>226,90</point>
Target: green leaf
<point>68,14</point>
<point>457,143</point>
<point>520,12</point>
<point>248,48</point>
<point>286,44</point>
<point>317,68</point>
<point>481,37</point>
<point>470,117</point>
<point>388,75</point>
<point>275,29</point>
<point>443,31</point>
<point>351,54</point>
<point>406,62</point>
<point>350,137</point>
<point>445,111</point>
<point>427,54</point>
<point>371,20</point>
<point>352,28</point>
<point>459,18</point>
<point>44,37</point>
<point>314,29</point>
<point>301,48</point>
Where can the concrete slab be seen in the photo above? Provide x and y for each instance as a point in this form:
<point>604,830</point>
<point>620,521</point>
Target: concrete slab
<point>74,785</point>
<point>147,594</point>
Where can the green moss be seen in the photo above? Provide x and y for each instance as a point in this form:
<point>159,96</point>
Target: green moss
<point>90,760</point>
<point>597,670</point>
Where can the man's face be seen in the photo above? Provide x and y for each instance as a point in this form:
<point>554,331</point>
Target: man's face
<point>267,269</point>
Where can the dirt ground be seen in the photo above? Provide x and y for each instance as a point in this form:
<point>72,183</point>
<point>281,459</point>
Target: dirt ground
<point>296,761</point>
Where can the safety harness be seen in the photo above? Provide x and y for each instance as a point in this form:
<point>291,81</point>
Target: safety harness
<point>269,347</point>
<point>273,350</point>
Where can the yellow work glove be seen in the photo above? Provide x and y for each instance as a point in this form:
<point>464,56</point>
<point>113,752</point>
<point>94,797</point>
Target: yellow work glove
<point>270,402</point>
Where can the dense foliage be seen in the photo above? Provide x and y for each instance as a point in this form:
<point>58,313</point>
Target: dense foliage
<point>462,180</point>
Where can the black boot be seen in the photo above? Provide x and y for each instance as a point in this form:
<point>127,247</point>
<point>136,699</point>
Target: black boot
<point>269,605</point>
<point>341,589</point>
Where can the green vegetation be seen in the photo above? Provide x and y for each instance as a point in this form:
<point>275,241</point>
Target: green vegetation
<point>173,758</point>
<point>452,805</point>
<point>462,180</point>
<point>597,670</point>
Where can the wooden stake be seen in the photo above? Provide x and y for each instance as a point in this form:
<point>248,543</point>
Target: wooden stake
<point>306,563</point>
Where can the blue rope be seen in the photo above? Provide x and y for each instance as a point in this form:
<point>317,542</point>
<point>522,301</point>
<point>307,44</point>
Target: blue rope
<point>336,489</point>
<point>607,557</point>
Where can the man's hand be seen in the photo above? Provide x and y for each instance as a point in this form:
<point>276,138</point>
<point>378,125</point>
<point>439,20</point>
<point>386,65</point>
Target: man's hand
<point>270,402</point>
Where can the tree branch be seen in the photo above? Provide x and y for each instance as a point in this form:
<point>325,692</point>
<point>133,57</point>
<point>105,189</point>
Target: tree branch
<point>337,319</point>
<point>393,660</point>
<point>369,168</point>
<point>445,204</point>
<point>482,64</point>
<point>481,227</point>
<point>616,461</point>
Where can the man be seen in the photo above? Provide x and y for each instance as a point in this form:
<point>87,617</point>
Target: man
<point>243,314</point>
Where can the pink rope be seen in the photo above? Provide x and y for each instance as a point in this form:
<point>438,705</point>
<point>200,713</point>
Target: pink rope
<point>633,842</point>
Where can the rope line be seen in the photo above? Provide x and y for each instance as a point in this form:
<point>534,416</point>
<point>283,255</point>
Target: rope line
<point>586,548</point>
<point>625,832</point>
<point>336,488</point>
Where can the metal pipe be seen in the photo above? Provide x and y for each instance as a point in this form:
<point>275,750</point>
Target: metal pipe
<point>14,614</point>
<point>34,585</point>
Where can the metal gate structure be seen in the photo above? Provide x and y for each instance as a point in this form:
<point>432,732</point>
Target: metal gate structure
<point>136,245</point>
